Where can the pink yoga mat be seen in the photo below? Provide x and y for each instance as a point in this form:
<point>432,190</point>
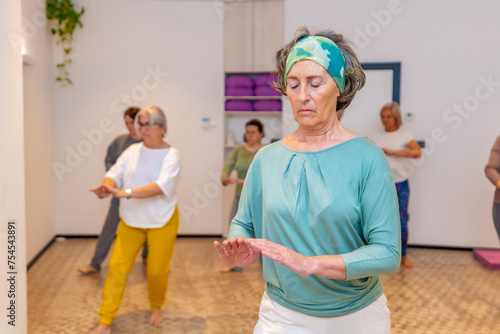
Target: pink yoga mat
<point>489,257</point>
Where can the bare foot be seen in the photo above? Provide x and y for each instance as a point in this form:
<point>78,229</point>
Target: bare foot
<point>156,317</point>
<point>406,262</point>
<point>101,329</point>
<point>87,270</point>
<point>226,269</point>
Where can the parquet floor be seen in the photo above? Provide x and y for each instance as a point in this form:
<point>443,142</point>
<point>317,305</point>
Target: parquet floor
<point>447,292</point>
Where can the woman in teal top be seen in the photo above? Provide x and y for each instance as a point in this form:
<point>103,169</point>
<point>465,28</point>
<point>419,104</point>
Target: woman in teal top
<point>240,159</point>
<point>320,205</point>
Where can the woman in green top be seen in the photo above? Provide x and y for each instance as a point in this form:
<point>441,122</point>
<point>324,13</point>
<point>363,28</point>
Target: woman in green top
<point>320,205</point>
<point>240,159</point>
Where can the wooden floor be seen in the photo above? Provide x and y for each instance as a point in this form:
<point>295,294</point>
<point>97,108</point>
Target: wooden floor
<point>446,292</point>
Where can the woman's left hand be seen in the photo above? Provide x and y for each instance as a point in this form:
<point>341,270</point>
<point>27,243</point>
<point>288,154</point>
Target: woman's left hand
<point>302,265</point>
<point>115,192</point>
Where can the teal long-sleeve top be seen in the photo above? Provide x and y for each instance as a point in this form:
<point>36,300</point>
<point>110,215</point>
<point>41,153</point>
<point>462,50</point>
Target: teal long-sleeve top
<point>338,201</point>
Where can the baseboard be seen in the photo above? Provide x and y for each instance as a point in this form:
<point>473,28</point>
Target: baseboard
<point>77,236</point>
<point>469,249</point>
<point>40,253</point>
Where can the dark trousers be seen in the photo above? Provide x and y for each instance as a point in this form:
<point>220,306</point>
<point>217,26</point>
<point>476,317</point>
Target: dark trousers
<point>496,217</point>
<point>403,190</point>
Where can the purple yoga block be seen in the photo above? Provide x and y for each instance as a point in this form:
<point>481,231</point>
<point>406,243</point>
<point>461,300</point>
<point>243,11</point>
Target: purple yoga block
<point>267,105</point>
<point>266,91</point>
<point>239,105</point>
<point>240,81</point>
<point>239,91</point>
<point>489,257</point>
<point>265,80</point>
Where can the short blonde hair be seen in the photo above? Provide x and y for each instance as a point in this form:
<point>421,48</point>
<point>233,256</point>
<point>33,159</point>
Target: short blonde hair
<point>395,111</point>
<point>354,75</point>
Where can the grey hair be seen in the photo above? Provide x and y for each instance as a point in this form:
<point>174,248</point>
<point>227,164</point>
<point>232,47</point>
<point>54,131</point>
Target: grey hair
<point>355,76</point>
<point>395,111</point>
<point>156,116</point>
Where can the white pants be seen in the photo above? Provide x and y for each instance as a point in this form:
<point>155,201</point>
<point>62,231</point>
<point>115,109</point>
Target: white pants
<point>277,319</point>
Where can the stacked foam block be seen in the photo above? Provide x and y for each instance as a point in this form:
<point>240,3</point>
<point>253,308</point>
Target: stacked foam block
<point>242,85</point>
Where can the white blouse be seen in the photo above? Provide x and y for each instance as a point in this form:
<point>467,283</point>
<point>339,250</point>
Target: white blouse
<point>139,166</point>
<point>395,140</point>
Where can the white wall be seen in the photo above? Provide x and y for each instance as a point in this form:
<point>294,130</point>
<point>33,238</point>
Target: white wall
<point>12,194</point>
<point>363,117</point>
<point>445,47</point>
<point>38,129</point>
<point>120,44</point>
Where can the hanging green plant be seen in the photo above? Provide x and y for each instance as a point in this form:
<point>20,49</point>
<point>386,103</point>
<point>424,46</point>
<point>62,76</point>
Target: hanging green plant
<point>65,20</point>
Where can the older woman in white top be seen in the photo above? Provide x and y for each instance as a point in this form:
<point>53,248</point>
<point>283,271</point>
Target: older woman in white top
<point>398,145</point>
<point>145,175</point>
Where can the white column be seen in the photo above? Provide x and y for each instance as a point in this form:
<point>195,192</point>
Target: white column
<point>12,196</point>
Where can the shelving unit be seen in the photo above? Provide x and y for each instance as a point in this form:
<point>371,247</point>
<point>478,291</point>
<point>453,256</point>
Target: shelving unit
<point>235,120</point>
<point>250,33</point>
<point>254,113</point>
<point>252,97</point>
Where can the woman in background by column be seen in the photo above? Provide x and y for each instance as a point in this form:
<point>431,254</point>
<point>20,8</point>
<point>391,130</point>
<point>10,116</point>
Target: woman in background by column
<point>240,159</point>
<point>398,145</point>
<point>492,171</point>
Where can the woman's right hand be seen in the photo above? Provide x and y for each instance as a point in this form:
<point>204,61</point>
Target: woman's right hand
<point>228,181</point>
<point>101,191</point>
<point>236,253</point>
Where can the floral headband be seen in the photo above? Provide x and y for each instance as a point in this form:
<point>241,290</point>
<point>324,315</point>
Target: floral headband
<point>323,51</point>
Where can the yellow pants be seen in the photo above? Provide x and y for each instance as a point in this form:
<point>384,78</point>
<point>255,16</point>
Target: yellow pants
<point>128,243</point>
